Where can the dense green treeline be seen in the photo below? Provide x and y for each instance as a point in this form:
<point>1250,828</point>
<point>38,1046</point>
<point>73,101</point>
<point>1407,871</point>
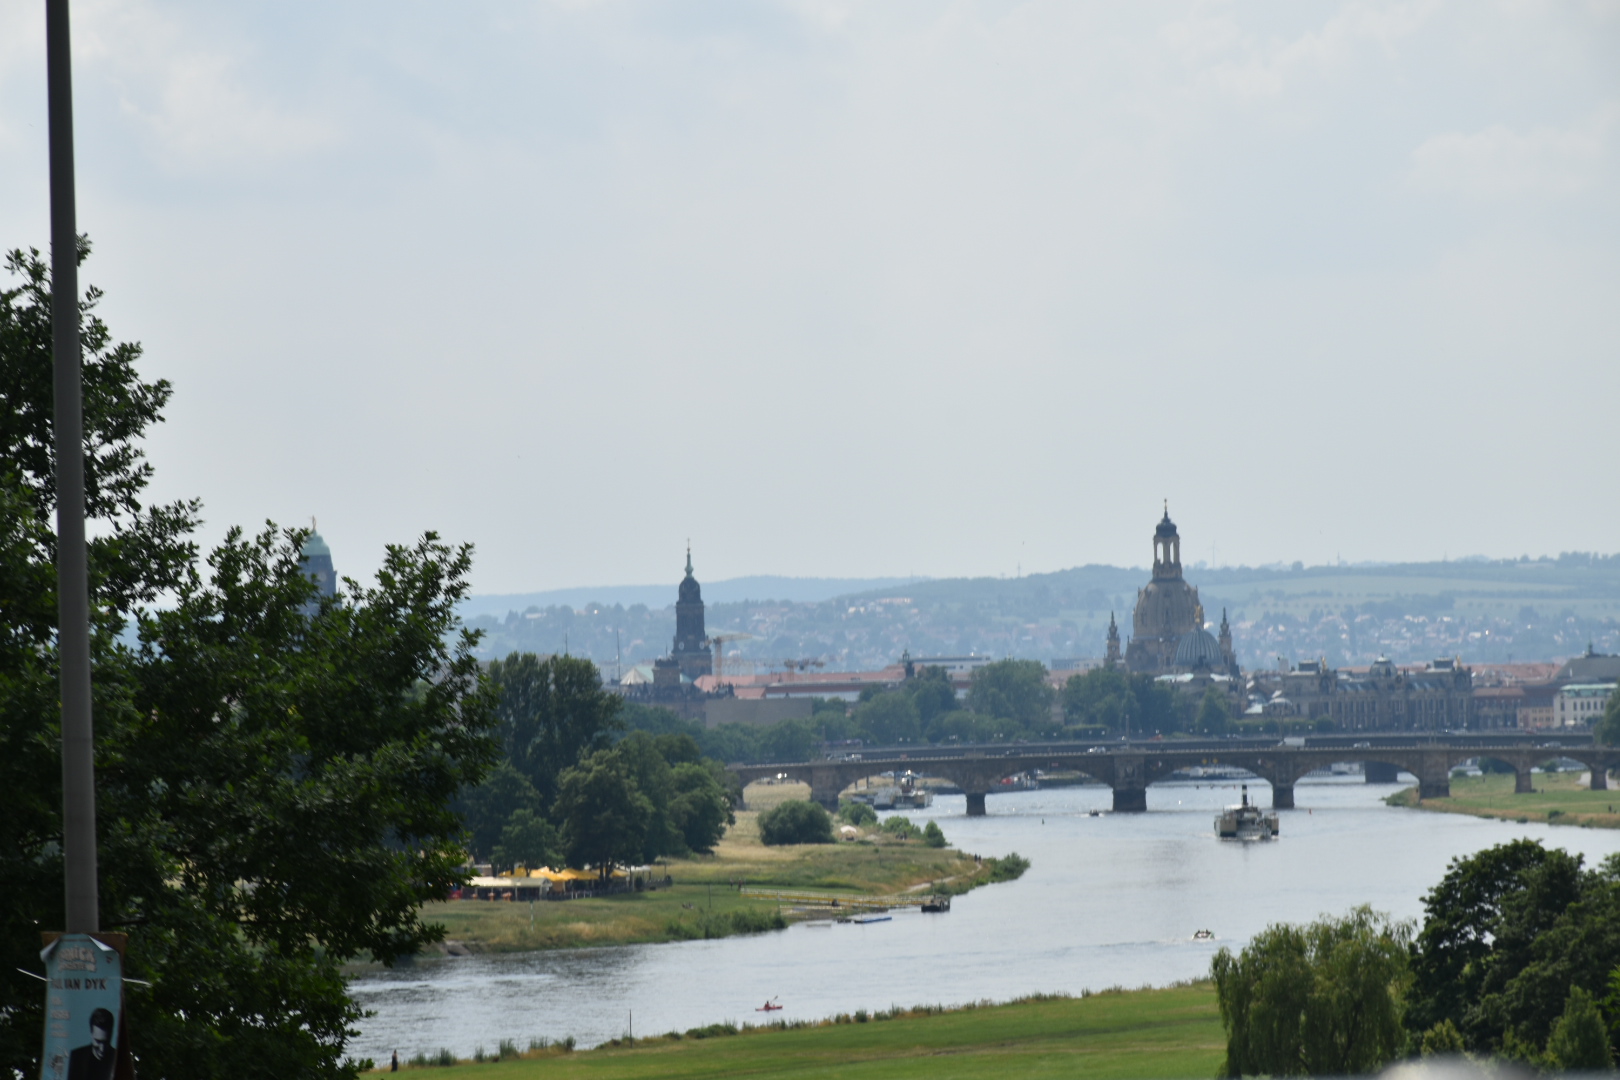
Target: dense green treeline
<point>1517,958</point>
<point>1008,700</point>
<point>576,785</point>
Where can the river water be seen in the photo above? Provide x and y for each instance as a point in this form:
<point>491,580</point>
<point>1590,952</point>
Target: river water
<point>1111,900</point>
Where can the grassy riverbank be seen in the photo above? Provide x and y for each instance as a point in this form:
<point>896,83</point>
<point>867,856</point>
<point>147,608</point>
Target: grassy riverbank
<point>705,901</point>
<point>1559,799</point>
<point>1157,1034</point>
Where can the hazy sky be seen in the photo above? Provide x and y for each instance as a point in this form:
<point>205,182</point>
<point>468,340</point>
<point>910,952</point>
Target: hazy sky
<point>858,288</point>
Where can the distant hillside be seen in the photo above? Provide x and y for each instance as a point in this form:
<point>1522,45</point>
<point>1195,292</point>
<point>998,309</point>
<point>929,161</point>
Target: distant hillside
<point>1480,610</point>
<point>731,591</point>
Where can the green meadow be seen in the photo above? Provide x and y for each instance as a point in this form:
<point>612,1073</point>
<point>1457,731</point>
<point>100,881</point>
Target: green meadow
<point>1559,799</point>
<point>1122,1035</point>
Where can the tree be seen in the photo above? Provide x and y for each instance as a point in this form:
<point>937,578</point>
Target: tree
<point>1014,689</point>
<point>1119,701</point>
<point>1607,730</point>
<point>552,713</point>
<point>487,807</point>
<point>933,835</point>
<point>528,840</point>
<point>795,822</point>
<point>931,691</point>
<point>1492,953</point>
<point>1318,1000</point>
<point>604,815</point>
<point>1443,1038</point>
<point>274,775</point>
<point>731,742</point>
<point>700,808</point>
<point>787,740</point>
<point>889,717</point>
<point>1580,1040</point>
<point>1213,714</point>
<point>650,772</point>
<point>963,726</point>
<point>857,813</point>
<point>898,826</point>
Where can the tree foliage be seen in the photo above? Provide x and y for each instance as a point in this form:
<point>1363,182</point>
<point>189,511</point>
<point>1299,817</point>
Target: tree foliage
<point>604,815</point>
<point>890,718</point>
<point>527,840</point>
<point>552,712</point>
<point>1579,1041</point>
<point>1013,690</point>
<point>274,775</point>
<point>1607,730</point>
<point>1119,701</point>
<point>487,807</point>
<point>1507,933</point>
<point>1317,1000</point>
<point>857,813</point>
<point>795,822</point>
<point>1214,715</point>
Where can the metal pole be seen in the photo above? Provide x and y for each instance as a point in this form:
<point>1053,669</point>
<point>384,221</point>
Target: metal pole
<point>73,599</point>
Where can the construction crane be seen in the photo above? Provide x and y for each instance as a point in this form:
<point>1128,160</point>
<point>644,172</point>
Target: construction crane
<point>719,643</point>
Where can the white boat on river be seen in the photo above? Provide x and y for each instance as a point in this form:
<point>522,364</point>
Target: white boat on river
<point>1246,821</point>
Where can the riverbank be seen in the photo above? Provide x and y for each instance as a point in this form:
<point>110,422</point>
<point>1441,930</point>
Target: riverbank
<point>705,900</point>
<point>1120,1035</point>
<point>1559,799</point>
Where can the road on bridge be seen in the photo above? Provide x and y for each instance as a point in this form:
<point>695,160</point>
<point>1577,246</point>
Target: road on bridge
<point>1129,767</point>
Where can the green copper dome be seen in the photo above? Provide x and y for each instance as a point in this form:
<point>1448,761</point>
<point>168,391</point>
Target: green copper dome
<point>316,546</point>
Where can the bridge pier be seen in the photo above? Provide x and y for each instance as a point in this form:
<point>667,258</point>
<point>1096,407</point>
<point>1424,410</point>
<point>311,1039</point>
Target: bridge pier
<point>1435,787</point>
<point>1380,772</point>
<point>1131,800</point>
<point>1282,796</point>
<point>825,784</point>
<point>975,801</point>
<point>1600,778</point>
<point>1522,782</point>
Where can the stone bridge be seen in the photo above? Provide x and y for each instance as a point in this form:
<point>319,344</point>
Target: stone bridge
<point>1129,769</point>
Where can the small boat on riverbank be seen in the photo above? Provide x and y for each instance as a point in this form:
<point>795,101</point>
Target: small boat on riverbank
<point>1246,821</point>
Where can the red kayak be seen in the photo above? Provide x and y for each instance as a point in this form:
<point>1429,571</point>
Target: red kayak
<point>767,1007</point>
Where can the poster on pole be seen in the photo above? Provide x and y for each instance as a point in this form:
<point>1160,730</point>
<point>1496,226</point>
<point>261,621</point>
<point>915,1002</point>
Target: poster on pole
<point>84,1009</point>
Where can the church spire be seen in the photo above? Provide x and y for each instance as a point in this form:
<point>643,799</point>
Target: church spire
<point>1113,657</point>
<point>689,558</point>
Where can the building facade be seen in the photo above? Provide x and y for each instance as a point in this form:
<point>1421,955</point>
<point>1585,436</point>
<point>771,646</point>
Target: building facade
<point>1580,704</point>
<point>1384,698</point>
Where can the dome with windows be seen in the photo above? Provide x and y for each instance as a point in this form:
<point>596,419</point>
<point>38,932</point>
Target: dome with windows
<point>1198,649</point>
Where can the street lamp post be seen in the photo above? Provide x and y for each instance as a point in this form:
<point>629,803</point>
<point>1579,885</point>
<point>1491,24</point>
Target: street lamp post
<point>72,588</point>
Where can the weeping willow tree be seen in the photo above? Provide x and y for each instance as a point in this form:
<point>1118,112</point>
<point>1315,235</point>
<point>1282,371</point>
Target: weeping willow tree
<point>1317,1000</point>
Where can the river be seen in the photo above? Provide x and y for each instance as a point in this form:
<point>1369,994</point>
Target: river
<point>1111,900</point>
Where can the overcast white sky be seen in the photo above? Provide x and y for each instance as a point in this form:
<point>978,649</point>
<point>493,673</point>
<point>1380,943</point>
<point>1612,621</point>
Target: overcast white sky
<point>858,288</point>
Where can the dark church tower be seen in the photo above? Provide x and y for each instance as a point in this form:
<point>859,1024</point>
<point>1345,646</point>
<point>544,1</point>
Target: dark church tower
<point>1112,659</point>
<point>691,650</point>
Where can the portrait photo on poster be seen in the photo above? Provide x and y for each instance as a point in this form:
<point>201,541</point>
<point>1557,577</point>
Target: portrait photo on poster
<point>83,1008</point>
